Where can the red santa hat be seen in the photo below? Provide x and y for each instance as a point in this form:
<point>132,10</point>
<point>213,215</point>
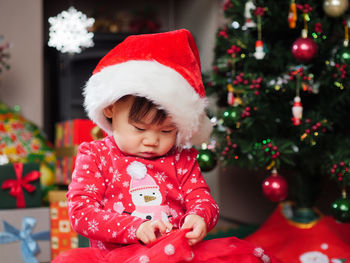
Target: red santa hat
<point>164,68</point>
<point>139,178</point>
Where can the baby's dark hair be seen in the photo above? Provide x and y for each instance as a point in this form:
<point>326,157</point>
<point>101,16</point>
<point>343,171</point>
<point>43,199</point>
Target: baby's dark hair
<point>142,106</point>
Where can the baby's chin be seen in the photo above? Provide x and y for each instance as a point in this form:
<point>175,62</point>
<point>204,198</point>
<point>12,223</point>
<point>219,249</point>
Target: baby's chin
<point>147,155</point>
<point>143,155</point>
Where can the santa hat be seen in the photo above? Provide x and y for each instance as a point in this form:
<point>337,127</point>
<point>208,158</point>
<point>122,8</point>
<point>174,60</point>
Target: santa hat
<point>139,178</point>
<point>164,68</point>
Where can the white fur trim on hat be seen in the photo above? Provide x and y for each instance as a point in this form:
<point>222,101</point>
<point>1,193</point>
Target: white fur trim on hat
<point>160,84</point>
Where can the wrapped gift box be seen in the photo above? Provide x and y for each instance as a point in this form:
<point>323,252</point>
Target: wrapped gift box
<point>62,235</point>
<point>20,185</point>
<point>69,134</point>
<point>29,226</point>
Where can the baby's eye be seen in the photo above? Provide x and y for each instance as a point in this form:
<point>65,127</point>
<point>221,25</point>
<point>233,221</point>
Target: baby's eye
<point>139,128</point>
<point>140,194</point>
<point>167,131</point>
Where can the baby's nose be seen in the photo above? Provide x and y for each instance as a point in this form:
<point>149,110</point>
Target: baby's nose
<point>151,140</point>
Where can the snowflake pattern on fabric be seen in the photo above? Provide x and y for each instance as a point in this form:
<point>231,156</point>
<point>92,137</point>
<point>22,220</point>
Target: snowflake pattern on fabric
<point>116,176</point>
<point>161,177</point>
<point>90,188</point>
<point>93,226</point>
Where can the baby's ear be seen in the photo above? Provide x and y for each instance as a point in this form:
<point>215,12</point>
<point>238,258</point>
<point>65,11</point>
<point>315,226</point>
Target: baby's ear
<point>108,111</point>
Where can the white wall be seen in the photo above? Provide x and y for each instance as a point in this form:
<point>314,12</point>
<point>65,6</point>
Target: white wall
<point>202,18</point>
<point>21,25</point>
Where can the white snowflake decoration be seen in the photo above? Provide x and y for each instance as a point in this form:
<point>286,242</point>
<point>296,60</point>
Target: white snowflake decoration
<point>68,31</point>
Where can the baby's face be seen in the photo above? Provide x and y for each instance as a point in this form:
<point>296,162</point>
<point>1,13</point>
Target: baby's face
<point>142,139</point>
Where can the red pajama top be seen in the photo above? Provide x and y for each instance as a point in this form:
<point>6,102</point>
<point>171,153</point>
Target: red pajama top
<point>111,194</point>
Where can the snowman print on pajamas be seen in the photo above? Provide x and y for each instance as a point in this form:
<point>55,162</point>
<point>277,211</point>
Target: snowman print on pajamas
<point>145,194</point>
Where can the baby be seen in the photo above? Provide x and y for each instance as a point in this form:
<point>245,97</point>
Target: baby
<point>142,183</point>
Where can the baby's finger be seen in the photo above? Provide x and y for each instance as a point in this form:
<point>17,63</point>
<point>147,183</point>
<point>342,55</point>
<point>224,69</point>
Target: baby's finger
<point>194,241</point>
<point>169,227</point>
<point>159,225</point>
<point>195,233</point>
<point>147,237</point>
<point>186,225</point>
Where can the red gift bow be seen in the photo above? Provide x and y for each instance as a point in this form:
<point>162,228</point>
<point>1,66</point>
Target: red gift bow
<point>16,185</point>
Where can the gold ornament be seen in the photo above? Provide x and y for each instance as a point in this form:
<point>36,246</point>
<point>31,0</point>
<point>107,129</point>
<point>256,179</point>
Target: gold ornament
<point>47,177</point>
<point>335,8</point>
<point>97,133</point>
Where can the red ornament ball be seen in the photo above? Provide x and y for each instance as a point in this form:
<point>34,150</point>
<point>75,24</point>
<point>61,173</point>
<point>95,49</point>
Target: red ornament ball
<point>275,188</point>
<point>304,49</point>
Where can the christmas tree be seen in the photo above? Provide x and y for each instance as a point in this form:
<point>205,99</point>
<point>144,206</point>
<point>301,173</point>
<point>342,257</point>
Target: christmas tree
<point>281,83</point>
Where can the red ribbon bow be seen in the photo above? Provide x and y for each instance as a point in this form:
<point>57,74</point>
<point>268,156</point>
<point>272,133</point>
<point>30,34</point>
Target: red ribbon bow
<point>260,11</point>
<point>16,185</point>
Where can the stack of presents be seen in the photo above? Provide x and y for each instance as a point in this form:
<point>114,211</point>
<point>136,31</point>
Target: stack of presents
<point>34,177</point>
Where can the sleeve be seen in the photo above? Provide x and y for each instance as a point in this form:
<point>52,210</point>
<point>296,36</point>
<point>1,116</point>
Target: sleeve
<point>197,197</point>
<point>86,202</point>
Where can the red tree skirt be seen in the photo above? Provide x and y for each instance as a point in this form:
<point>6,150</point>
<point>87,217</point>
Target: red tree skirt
<point>173,248</point>
<point>321,241</point>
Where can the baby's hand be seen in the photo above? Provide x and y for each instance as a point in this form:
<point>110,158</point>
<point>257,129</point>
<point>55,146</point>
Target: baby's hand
<point>197,226</point>
<point>149,231</point>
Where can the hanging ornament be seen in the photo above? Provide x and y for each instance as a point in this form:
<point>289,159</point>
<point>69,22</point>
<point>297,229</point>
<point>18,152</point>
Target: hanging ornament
<point>297,111</point>
<point>344,53</point>
<point>297,108</point>
<point>68,31</point>
<point>259,45</point>
<point>230,96</point>
<point>275,187</point>
<point>206,160</point>
<point>230,116</point>
<point>335,8</point>
<point>259,50</point>
<point>304,49</point>
<point>341,210</point>
<point>249,22</point>
<point>292,15</point>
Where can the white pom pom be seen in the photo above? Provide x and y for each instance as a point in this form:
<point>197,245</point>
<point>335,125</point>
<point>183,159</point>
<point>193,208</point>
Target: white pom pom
<point>169,249</point>
<point>190,258</point>
<point>258,252</point>
<point>137,170</point>
<point>265,259</point>
<point>144,259</point>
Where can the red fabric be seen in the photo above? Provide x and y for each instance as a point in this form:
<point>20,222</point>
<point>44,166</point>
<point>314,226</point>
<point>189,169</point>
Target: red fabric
<point>327,239</point>
<point>100,201</point>
<point>174,248</point>
<point>15,185</point>
<point>175,49</point>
